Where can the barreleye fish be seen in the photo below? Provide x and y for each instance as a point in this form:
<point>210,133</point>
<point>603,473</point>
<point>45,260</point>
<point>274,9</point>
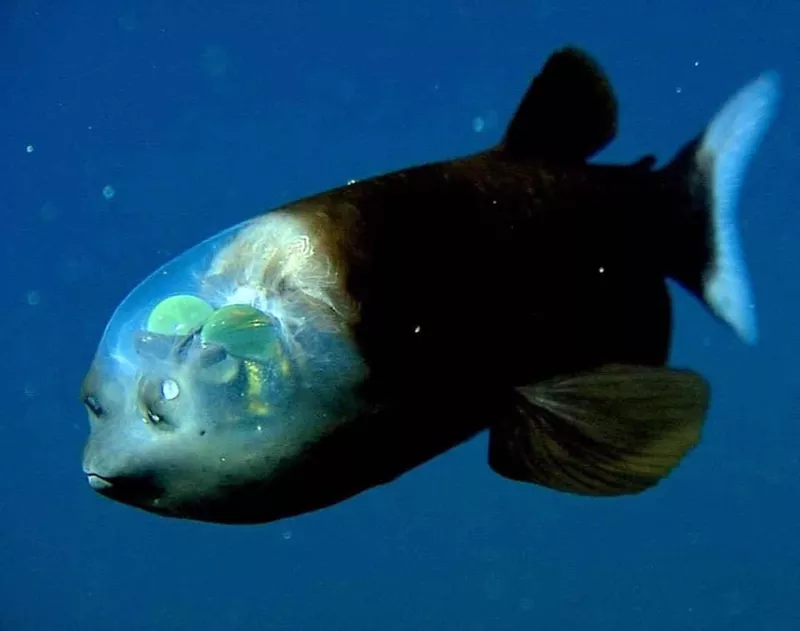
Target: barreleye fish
<point>331,345</point>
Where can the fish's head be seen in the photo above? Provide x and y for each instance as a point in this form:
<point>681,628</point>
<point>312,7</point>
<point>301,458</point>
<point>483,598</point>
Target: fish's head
<point>205,395</point>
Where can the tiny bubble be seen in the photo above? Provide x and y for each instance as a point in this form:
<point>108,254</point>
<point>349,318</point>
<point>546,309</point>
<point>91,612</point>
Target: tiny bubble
<point>287,535</point>
<point>109,192</point>
<point>678,90</point>
<point>33,297</point>
<point>696,63</point>
<point>30,390</point>
<point>478,124</point>
<point>29,148</point>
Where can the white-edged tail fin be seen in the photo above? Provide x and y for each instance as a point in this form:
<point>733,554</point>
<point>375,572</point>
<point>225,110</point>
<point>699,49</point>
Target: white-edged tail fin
<point>713,167</point>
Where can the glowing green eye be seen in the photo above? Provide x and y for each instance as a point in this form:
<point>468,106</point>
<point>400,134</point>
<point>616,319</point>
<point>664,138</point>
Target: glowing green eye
<point>243,331</point>
<point>178,315</point>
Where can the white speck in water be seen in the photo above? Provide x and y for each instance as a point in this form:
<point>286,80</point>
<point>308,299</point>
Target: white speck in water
<point>287,534</point>
<point>259,428</point>
<point>602,269</point>
<point>678,90</point>
<point>478,124</point>
<point>170,389</point>
<point>417,329</point>
<point>109,192</point>
<point>696,63</point>
<point>223,459</point>
<point>30,390</point>
<point>33,297</point>
<point>29,148</point>
<point>350,182</point>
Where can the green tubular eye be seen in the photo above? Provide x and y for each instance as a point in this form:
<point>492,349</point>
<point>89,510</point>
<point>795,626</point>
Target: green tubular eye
<point>178,315</point>
<point>243,331</point>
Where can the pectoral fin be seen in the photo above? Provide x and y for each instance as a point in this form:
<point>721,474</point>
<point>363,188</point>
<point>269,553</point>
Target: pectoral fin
<point>615,431</point>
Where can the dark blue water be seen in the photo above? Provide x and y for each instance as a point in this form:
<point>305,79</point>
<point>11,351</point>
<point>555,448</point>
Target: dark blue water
<point>200,114</point>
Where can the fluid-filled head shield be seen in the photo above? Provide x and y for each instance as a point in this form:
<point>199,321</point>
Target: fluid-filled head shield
<point>220,367</point>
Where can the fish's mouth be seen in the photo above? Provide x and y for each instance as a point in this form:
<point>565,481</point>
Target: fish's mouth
<point>99,483</point>
<point>140,491</point>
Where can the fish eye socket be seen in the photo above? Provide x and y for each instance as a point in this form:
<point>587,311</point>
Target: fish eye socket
<point>154,399</point>
<point>93,405</point>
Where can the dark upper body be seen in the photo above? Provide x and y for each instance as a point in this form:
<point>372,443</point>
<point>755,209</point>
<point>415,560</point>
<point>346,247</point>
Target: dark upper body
<point>473,276</point>
<point>519,271</point>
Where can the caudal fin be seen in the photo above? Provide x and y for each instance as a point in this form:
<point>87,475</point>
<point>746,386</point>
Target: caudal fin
<point>709,260</point>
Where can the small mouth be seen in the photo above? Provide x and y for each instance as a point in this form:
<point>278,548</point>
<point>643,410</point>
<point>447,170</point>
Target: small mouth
<point>98,482</point>
<point>136,490</point>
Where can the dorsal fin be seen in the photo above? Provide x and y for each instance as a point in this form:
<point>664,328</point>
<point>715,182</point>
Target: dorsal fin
<point>568,113</point>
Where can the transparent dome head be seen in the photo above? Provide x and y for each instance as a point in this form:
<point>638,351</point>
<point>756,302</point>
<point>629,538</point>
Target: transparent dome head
<point>216,329</point>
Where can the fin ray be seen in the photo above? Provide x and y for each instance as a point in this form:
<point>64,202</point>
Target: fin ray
<point>614,431</point>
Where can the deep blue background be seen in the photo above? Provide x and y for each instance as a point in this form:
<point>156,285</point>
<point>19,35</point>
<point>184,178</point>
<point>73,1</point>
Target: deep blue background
<point>203,113</point>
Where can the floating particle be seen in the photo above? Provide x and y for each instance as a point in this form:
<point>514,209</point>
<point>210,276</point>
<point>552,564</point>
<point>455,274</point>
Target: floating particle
<point>33,297</point>
<point>109,192</point>
<point>127,22</point>
<point>29,148</point>
<point>478,124</point>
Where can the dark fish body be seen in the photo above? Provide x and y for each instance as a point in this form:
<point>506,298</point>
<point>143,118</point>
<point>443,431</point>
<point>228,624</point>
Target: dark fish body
<point>356,334</point>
